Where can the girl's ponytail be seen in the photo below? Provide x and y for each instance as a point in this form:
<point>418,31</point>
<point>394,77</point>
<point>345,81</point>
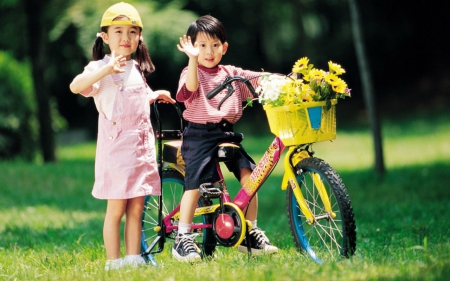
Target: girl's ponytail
<point>143,59</point>
<point>98,50</point>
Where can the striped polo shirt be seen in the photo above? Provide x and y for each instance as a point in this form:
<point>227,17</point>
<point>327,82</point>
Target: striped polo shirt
<point>201,110</point>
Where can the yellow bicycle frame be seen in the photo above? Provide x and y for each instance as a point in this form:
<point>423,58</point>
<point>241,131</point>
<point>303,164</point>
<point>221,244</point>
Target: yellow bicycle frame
<point>199,211</point>
<point>290,178</point>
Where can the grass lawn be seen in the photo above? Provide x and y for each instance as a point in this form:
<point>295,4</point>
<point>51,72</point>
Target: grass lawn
<point>51,227</point>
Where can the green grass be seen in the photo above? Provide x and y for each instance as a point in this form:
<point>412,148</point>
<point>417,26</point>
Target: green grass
<point>51,227</point>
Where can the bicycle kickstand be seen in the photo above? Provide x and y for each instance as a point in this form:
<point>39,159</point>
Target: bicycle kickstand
<point>247,237</point>
<point>147,254</point>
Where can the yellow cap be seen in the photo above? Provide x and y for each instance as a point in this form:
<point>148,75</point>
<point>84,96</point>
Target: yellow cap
<point>121,9</point>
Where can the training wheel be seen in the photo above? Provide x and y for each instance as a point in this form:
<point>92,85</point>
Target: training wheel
<point>224,226</point>
<point>229,226</point>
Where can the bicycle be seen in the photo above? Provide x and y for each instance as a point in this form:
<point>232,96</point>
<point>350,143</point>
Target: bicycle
<point>319,210</point>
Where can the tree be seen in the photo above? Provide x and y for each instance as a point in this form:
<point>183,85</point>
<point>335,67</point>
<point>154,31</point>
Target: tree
<point>367,86</point>
<point>37,50</point>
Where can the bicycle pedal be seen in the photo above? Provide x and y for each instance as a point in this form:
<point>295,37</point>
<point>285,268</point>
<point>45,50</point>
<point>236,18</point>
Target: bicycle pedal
<point>207,190</point>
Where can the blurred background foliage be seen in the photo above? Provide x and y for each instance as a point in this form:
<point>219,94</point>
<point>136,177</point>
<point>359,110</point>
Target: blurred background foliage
<point>406,45</point>
<point>17,109</point>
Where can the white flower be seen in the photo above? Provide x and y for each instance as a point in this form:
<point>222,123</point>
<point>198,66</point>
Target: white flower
<point>271,87</point>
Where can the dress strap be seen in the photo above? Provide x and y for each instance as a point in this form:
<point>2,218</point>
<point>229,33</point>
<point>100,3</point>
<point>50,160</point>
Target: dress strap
<point>117,79</point>
<point>140,71</point>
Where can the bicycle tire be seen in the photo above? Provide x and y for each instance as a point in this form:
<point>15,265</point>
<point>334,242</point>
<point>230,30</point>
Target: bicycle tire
<point>327,238</point>
<point>172,191</point>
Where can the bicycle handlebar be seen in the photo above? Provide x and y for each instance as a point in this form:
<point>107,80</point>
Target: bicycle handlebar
<point>215,91</point>
<point>227,83</point>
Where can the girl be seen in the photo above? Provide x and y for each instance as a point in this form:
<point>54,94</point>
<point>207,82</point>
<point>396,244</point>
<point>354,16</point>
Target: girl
<point>125,163</point>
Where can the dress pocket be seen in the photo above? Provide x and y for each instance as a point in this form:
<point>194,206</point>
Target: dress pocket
<point>135,92</point>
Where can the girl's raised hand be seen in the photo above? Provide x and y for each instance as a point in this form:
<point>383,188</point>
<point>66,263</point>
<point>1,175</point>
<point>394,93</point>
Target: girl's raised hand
<point>117,62</point>
<point>162,96</point>
<point>186,47</point>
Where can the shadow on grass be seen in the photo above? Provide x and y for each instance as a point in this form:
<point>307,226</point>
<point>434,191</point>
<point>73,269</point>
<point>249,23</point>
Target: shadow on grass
<point>66,185</point>
<point>51,238</point>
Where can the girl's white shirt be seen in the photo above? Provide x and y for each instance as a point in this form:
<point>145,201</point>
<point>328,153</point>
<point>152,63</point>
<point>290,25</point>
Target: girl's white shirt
<point>104,91</point>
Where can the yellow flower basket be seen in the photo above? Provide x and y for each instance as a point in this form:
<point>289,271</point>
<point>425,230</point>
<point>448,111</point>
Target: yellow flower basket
<point>303,123</point>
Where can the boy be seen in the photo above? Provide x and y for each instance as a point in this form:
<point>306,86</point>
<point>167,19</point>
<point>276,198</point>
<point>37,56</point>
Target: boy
<point>208,127</point>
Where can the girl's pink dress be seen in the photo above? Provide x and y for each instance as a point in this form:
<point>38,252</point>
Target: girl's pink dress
<point>125,162</point>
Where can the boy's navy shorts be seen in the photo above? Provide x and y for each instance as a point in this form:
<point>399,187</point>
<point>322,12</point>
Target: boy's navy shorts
<point>199,151</point>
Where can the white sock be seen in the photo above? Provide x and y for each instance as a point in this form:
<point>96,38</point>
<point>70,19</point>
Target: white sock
<point>184,228</point>
<point>253,223</point>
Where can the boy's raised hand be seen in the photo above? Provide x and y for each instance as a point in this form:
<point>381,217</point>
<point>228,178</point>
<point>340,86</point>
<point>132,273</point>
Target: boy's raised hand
<point>186,47</point>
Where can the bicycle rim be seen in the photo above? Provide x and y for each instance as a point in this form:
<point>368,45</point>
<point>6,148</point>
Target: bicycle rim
<point>328,237</point>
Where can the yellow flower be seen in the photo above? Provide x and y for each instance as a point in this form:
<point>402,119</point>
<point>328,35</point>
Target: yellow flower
<point>286,88</point>
<point>306,85</point>
<point>307,93</point>
<point>339,86</point>
<point>306,88</point>
<point>300,65</point>
<point>335,68</point>
<point>316,74</point>
<point>331,79</point>
<point>290,99</point>
<point>298,82</point>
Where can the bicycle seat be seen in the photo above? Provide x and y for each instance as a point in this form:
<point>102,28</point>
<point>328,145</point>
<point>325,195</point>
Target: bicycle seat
<point>227,151</point>
<point>172,152</point>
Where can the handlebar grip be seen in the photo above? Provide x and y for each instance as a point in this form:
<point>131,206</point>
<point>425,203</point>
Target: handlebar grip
<point>215,91</point>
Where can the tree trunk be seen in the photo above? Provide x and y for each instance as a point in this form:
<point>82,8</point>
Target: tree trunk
<point>37,50</point>
<point>367,86</point>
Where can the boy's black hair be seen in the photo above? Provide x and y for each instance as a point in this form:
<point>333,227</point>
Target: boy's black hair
<point>209,25</point>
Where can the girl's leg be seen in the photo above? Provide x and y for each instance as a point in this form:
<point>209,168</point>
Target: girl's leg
<point>133,225</point>
<point>111,228</point>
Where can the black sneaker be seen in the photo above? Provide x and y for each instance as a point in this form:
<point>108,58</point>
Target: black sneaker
<point>185,248</point>
<point>259,243</point>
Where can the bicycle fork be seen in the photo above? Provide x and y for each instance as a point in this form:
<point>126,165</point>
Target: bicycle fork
<point>292,158</point>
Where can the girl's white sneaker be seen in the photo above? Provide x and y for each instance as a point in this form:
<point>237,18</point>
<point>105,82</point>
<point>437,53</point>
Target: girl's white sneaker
<point>134,260</point>
<point>113,264</point>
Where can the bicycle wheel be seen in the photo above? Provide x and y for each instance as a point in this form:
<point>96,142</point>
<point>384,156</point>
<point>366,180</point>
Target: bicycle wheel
<point>172,191</point>
<point>328,237</point>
